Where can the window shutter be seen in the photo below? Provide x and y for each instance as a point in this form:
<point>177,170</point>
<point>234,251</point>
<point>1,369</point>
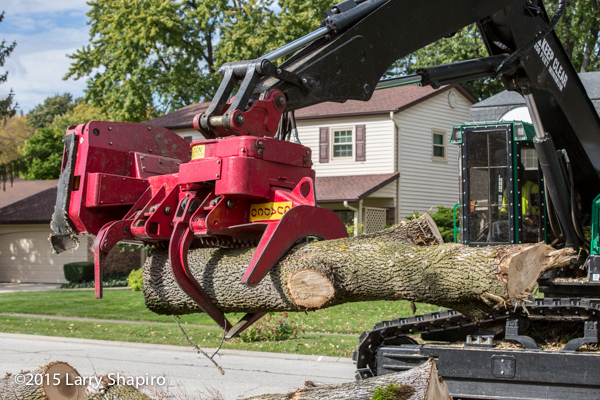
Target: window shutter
<point>360,143</point>
<point>323,145</point>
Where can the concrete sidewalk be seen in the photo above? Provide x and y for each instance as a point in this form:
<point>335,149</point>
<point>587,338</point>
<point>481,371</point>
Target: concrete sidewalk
<point>246,373</point>
<point>27,287</point>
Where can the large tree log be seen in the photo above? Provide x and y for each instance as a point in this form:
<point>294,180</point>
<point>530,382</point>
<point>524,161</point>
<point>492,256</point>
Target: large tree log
<point>387,265</point>
<point>421,383</point>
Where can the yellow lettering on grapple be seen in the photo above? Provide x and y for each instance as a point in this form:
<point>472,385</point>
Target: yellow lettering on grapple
<point>269,211</point>
<point>198,151</point>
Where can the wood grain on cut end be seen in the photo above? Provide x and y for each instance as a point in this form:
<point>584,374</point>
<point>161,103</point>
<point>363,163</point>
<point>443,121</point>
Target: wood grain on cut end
<point>437,388</point>
<point>310,288</point>
<point>525,268</point>
<point>65,389</point>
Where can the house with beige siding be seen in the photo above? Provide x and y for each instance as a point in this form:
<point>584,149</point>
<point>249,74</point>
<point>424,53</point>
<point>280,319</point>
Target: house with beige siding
<point>377,161</point>
<point>26,209</point>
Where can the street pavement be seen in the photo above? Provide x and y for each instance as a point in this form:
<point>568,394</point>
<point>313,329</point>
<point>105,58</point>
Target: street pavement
<point>246,373</point>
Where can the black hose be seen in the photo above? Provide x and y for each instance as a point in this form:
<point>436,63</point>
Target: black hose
<point>560,10</point>
<point>574,215</point>
<point>552,216</point>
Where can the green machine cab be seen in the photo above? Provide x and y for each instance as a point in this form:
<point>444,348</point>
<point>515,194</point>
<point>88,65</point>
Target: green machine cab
<point>503,201</point>
<point>502,197</point>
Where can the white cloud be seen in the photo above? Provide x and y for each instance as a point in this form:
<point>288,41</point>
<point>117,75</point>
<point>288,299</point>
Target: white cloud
<point>38,75</point>
<point>43,6</point>
<point>45,32</point>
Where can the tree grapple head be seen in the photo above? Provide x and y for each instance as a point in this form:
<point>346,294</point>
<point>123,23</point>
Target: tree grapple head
<point>144,184</point>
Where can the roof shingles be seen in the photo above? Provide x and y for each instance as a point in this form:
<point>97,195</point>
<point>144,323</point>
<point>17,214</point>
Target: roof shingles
<point>336,189</point>
<point>384,101</point>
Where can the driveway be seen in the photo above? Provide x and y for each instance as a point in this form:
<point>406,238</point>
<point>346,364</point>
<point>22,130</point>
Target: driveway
<point>246,373</point>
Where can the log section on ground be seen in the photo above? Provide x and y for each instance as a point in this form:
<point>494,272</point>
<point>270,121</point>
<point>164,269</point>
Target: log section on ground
<point>58,381</point>
<point>387,265</point>
<point>420,383</point>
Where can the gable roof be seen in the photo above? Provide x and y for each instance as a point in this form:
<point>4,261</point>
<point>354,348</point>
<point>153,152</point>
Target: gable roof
<point>21,189</point>
<point>36,209</point>
<point>383,101</point>
<point>590,81</point>
<point>504,98</point>
<point>336,189</point>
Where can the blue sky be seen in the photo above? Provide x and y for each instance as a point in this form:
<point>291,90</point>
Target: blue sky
<point>45,32</point>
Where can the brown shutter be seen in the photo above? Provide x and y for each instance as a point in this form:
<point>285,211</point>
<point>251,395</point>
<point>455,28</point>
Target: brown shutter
<point>323,145</point>
<point>360,142</point>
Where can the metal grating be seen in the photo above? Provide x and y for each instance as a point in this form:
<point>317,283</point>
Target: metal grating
<point>374,219</point>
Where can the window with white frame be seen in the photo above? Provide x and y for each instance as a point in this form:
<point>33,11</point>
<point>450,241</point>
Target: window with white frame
<point>439,145</point>
<point>342,143</point>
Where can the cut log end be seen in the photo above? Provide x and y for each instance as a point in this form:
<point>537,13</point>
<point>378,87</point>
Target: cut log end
<point>310,288</point>
<point>524,267</point>
<point>63,390</point>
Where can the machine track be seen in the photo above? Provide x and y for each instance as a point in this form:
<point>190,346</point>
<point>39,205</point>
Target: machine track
<point>398,331</point>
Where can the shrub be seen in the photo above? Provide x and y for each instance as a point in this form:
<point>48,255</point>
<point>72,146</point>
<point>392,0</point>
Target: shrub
<point>135,280</point>
<point>271,329</point>
<point>109,281</point>
<point>393,391</point>
<point>79,271</point>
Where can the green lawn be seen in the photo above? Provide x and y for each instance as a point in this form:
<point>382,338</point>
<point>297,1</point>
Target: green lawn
<point>204,336</point>
<point>351,318</point>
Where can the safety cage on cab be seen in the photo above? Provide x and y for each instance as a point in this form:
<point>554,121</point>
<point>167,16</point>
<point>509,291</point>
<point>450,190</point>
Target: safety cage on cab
<point>501,185</point>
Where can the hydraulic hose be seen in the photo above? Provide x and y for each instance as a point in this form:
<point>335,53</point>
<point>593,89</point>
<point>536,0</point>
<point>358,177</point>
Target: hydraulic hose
<point>574,213</point>
<point>560,10</point>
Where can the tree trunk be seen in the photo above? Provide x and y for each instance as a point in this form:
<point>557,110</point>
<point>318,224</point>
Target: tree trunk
<point>421,383</point>
<point>58,380</point>
<point>387,265</point>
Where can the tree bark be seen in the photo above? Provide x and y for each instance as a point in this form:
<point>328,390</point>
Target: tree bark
<point>56,381</point>
<point>420,383</point>
<point>387,265</point>
<point>39,384</point>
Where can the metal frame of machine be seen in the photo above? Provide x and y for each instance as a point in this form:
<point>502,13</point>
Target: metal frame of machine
<point>130,182</point>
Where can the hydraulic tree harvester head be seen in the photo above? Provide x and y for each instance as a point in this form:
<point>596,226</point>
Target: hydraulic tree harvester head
<point>128,182</point>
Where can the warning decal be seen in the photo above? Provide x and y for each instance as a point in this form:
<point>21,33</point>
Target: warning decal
<point>198,151</point>
<point>269,211</point>
<point>551,62</point>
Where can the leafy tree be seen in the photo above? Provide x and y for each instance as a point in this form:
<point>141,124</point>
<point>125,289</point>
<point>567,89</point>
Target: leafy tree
<point>146,57</point>
<point>153,56</point>
<point>13,134</point>
<point>43,153</point>
<point>466,44</point>
<point>81,114</point>
<point>579,32</point>
<point>42,115</point>
<point>253,30</point>
<point>7,109</point>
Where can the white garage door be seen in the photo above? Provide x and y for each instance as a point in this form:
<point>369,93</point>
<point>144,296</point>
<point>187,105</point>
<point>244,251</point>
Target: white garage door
<point>25,255</point>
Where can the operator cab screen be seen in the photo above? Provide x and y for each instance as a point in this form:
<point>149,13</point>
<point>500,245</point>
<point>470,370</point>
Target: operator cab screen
<point>501,188</point>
